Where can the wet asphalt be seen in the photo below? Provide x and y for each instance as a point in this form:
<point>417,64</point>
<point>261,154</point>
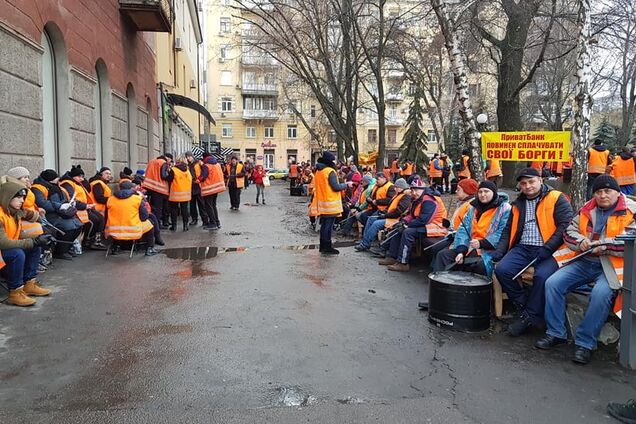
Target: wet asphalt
<point>250,324</point>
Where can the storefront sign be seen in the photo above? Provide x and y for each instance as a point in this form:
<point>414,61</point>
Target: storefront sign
<point>553,146</point>
<point>259,157</point>
<point>268,145</point>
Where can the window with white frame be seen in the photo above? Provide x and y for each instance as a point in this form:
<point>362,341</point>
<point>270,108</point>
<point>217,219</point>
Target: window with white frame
<point>250,132</point>
<point>432,136</point>
<point>226,104</point>
<point>225,25</point>
<point>226,131</point>
<point>269,132</point>
<point>226,78</point>
<point>292,131</point>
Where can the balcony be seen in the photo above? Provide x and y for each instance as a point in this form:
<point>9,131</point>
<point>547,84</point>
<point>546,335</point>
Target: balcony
<point>148,15</point>
<point>258,60</point>
<point>393,122</point>
<point>394,97</point>
<point>395,74</point>
<point>266,114</point>
<point>255,89</point>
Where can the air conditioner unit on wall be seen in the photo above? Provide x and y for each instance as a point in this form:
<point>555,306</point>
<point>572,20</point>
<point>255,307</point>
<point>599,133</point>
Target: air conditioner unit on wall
<point>178,44</point>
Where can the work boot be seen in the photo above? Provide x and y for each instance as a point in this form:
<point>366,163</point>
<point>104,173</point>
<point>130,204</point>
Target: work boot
<point>548,342</point>
<point>32,288</point>
<point>64,256</point>
<point>329,250</point>
<point>173,226</point>
<point>151,251</point>
<point>185,224</point>
<point>521,325</point>
<point>164,226</point>
<point>582,355</point>
<point>98,244</point>
<point>623,412</point>
<point>388,261</point>
<point>263,201</point>
<point>360,248</point>
<point>194,221</point>
<point>115,250</point>
<point>399,267</point>
<point>17,297</point>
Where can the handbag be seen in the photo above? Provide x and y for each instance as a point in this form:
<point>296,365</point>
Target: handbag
<point>266,181</point>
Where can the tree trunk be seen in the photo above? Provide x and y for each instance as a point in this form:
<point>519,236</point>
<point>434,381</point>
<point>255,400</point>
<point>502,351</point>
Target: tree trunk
<point>582,108</point>
<point>461,85</point>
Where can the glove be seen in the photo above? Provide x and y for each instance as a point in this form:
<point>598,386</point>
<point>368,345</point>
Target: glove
<point>544,254</point>
<point>44,240</point>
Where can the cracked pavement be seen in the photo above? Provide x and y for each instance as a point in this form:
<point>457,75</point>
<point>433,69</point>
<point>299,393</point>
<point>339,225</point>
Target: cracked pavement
<point>166,339</point>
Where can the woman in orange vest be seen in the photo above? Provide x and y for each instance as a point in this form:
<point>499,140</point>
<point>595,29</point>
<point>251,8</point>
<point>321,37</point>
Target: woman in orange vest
<point>327,201</point>
<point>20,258</point>
<point>73,183</point>
<point>624,170</point>
<point>100,191</point>
<point>235,182</point>
<point>55,201</point>
<point>29,229</point>
<point>180,193</point>
<point>210,189</point>
<point>127,218</point>
<point>157,187</point>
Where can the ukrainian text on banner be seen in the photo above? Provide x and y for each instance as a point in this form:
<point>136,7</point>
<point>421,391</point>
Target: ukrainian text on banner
<point>552,146</point>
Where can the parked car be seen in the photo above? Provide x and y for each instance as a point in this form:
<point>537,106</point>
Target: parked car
<point>278,174</point>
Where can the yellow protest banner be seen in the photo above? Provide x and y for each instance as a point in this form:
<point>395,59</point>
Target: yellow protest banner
<point>551,146</point>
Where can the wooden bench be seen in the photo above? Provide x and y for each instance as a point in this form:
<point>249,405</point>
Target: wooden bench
<point>499,295</point>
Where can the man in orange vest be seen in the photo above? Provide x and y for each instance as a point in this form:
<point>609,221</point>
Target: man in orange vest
<point>435,169</point>
<point>598,159</point>
<point>235,182</point>
<point>462,167</point>
<point>210,189</point>
<point>424,219</point>
<point>446,171</point>
<point>534,231</point>
<point>395,170</point>
<point>327,200</point>
<point>19,259</point>
<point>599,221</point>
<point>293,174</point>
<point>199,174</point>
<point>180,193</point>
<point>157,187</point>
<point>99,189</point>
<point>624,170</point>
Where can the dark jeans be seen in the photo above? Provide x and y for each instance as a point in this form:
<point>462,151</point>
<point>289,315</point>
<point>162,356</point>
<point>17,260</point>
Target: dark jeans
<point>22,265</point>
<point>235,196</point>
<point>67,239</point>
<point>326,226</point>
<point>438,183</point>
<point>210,209</point>
<point>446,183</point>
<point>157,201</point>
<point>175,207</point>
<point>447,257</point>
<point>197,203</point>
<point>401,246</point>
<point>515,260</point>
<point>156,228</point>
<point>96,225</point>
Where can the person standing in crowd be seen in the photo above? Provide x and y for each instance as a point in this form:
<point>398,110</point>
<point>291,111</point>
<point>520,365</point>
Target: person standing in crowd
<point>293,174</point>
<point>494,172</point>
<point>158,187</point>
<point>624,170</point>
<point>407,170</point>
<point>599,221</point>
<point>100,191</point>
<point>235,182</point>
<point>257,176</point>
<point>535,229</point>
<point>19,257</point>
<point>598,160</point>
<point>59,213</point>
<point>435,168</point>
<point>395,170</point>
<point>327,201</point>
<point>463,169</point>
<point>478,234</point>
<point>199,174</point>
<point>210,189</point>
<point>180,193</point>
<point>446,172</point>
<point>73,183</point>
<point>127,218</point>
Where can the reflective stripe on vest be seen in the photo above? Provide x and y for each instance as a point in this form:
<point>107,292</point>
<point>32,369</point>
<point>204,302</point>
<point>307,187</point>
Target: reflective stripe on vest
<point>30,229</point>
<point>328,201</point>
<point>152,180</point>
<point>240,181</point>
<point>389,222</point>
<point>435,227</point>
<point>623,171</point>
<point>181,186</point>
<point>81,195</point>
<point>597,161</point>
<point>214,183</point>
<point>124,222</point>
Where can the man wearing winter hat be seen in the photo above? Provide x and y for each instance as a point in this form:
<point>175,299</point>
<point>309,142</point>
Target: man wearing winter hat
<point>594,230</point>
<point>399,205</point>
<point>535,229</point>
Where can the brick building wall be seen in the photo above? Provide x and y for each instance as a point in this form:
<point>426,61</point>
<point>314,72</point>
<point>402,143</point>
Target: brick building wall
<point>83,32</point>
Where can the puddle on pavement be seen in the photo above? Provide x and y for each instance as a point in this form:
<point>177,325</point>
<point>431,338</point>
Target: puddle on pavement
<point>209,252</point>
<point>292,396</point>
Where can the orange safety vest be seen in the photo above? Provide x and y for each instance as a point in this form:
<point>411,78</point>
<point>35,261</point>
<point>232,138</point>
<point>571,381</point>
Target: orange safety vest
<point>597,162</point>
<point>408,171</point>
<point>81,195</point>
<point>107,194</point>
<point>389,222</point>
<point>214,183</point>
<point>12,228</point>
<point>557,168</point>
<point>623,171</point>
<point>293,171</point>
<point>328,201</point>
<point>568,164</point>
<point>394,167</point>
<point>181,186</point>
<point>240,181</point>
<point>466,171</point>
<point>459,214</point>
<point>435,227</point>
<point>152,180</point>
<point>123,221</point>
<point>495,169</point>
<point>30,229</point>
<point>432,172</point>
<point>379,193</point>
<point>536,165</point>
<point>545,217</point>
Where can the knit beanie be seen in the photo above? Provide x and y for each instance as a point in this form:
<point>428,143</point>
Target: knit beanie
<point>489,185</point>
<point>127,171</point>
<point>76,171</point>
<point>401,183</point>
<point>469,186</point>
<point>605,181</point>
<point>18,172</point>
<point>49,175</point>
<point>328,156</point>
<point>104,169</point>
<point>367,179</point>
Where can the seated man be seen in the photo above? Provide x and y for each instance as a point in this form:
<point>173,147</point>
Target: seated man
<point>20,258</point>
<point>598,222</point>
<point>478,234</point>
<point>424,219</point>
<point>535,229</point>
<point>361,204</point>
<point>379,200</point>
<point>127,218</point>
<point>398,207</point>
